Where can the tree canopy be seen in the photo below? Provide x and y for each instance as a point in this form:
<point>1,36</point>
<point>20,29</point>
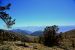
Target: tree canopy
<point>6,17</point>
<point>50,35</point>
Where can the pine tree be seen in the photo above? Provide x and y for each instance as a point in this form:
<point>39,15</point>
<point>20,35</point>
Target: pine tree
<point>50,35</point>
<point>6,17</point>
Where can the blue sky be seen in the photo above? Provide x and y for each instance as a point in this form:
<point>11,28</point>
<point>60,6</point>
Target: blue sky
<point>41,12</point>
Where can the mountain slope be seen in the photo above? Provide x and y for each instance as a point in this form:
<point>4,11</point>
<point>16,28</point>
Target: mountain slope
<point>24,32</point>
<point>37,33</point>
<point>7,35</point>
<point>69,34</point>
<point>68,39</point>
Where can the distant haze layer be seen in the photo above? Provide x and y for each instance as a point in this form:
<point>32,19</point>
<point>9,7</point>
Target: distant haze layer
<point>41,28</point>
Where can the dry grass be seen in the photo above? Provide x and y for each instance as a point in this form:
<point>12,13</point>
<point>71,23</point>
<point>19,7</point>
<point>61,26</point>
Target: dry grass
<point>31,46</point>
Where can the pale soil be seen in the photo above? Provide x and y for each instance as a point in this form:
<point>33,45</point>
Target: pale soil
<point>31,46</point>
<point>38,46</point>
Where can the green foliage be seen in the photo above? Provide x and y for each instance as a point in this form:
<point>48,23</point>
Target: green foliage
<point>50,35</point>
<point>41,39</point>
<point>5,17</point>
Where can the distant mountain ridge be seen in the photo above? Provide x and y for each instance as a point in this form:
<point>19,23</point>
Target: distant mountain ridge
<point>25,32</point>
<point>41,28</point>
<point>66,28</point>
<point>36,31</point>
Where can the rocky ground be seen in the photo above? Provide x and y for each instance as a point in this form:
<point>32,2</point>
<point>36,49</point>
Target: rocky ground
<point>29,46</point>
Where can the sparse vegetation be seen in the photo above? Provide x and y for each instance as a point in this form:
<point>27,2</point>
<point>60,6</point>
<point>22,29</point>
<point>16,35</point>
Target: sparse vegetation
<point>5,48</point>
<point>68,40</point>
<point>48,39</point>
<point>65,41</point>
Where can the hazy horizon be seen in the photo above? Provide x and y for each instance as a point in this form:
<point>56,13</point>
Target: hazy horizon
<point>41,28</point>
